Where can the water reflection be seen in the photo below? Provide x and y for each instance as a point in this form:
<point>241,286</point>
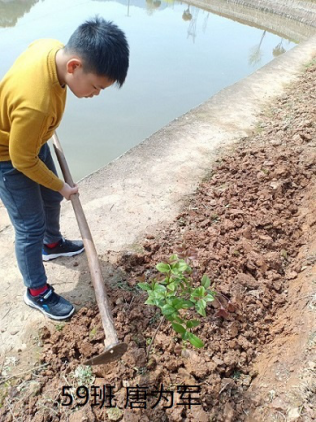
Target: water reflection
<point>12,10</point>
<point>152,5</point>
<point>279,49</point>
<point>255,55</point>
<point>180,56</point>
<point>187,15</point>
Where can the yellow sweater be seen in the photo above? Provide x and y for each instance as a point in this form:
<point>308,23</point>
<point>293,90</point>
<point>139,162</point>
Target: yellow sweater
<point>32,103</point>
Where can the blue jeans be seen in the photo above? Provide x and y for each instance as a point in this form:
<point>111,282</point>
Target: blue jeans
<point>34,212</point>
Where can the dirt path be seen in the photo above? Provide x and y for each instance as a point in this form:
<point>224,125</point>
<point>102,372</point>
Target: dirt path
<point>251,224</point>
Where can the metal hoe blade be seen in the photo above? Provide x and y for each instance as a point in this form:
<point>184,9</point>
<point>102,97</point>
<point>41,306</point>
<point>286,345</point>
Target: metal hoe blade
<point>110,354</point>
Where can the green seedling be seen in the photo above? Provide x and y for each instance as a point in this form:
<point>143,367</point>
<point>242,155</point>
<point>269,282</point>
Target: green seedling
<point>215,218</point>
<point>173,293</point>
<point>93,333</point>
<point>310,64</point>
<point>114,414</point>
<point>284,254</point>
<point>59,327</point>
<point>83,375</point>
<point>236,375</point>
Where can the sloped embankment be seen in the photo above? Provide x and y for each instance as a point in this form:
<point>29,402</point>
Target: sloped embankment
<point>251,224</point>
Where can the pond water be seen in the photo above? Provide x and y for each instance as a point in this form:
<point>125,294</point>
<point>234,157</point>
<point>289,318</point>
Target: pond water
<point>179,57</point>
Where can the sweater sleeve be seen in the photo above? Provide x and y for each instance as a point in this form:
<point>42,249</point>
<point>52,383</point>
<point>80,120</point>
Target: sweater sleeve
<point>28,129</point>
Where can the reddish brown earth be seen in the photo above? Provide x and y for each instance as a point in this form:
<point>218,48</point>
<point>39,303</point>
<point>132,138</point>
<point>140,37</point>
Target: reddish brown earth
<point>252,226</point>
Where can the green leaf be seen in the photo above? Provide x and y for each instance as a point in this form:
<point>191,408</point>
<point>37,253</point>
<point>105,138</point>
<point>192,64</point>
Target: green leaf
<point>195,341</point>
<point>187,282</point>
<point>156,301</point>
<point>172,286</point>
<point>157,293</point>
<point>178,319</point>
<point>185,335</point>
<point>163,268</point>
<point>203,302</point>
<point>205,281</point>
<point>199,292</point>
<point>202,312</point>
<point>150,301</point>
<point>192,323</point>
<point>176,303</point>
<point>209,298</point>
<point>194,296</point>
<point>159,288</point>
<point>175,269</point>
<point>178,328</point>
<point>144,286</point>
<point>160,303</point>
<point>163,280</point>
<point>167,310</point>
<point>183,266</point>
<point>171,317</point>
<point>158,296</point>
<point>200,307</point>
<point>186,304</point>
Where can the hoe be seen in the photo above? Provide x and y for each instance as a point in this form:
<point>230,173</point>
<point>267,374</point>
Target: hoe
<point>113,348</point>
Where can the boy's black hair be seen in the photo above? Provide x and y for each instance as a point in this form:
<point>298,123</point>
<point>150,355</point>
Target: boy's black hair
<point>103,48</point>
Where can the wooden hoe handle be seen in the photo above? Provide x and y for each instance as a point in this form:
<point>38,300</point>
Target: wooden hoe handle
<point>93,261</point>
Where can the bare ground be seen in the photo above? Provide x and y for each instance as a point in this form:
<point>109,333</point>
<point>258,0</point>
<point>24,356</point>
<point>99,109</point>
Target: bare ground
<point>251,224</point>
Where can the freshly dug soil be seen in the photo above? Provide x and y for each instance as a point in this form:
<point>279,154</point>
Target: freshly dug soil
<point>250,225</point>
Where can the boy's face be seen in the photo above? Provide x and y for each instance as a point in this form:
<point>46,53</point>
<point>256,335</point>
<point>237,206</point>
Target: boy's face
<point>82,84</point>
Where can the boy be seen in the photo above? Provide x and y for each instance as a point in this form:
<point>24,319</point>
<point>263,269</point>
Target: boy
<point>32,101</point>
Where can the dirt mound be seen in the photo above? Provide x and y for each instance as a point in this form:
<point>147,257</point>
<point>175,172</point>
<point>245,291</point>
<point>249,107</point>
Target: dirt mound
<point>251,224</point>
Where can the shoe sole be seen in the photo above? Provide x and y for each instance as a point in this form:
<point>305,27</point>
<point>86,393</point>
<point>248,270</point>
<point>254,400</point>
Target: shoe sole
<point>57,255</point>
<point>57,318</point>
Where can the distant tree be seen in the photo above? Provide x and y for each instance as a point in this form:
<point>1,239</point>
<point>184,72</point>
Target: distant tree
<point>152,5</point>
<point>278,49</point>
<point>255,52</point>
<point>186,16</point>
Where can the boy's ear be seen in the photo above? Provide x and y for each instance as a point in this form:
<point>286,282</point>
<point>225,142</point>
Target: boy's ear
<point>73,64</point>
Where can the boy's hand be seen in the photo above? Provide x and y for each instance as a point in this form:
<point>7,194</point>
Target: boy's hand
<point>67,191</point>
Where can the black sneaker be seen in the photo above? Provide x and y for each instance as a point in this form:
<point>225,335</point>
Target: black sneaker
<point>50,303</point>
<point>64,248</point>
